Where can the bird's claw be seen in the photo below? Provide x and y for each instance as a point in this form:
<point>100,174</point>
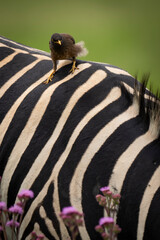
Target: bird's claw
<point>73,69</point>
<point>50,78</point>
<point>47,81</point>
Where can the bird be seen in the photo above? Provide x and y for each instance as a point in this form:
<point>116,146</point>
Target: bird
<point>62,47</point>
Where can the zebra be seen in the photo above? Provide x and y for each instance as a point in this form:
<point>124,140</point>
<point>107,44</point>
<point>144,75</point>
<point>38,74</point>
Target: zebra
<point>65,140</point>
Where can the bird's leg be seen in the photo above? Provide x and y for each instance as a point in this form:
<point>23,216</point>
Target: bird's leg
<point>52,74</point>
<point>73,66</point>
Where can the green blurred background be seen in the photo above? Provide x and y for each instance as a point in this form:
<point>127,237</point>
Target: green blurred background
<point>120,32</point>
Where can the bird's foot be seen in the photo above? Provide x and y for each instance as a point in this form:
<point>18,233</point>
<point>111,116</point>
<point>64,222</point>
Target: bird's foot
<point>73,68</point>
<point>50,78</point>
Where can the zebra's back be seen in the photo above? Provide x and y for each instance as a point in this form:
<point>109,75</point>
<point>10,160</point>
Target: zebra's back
<point>66,139</point>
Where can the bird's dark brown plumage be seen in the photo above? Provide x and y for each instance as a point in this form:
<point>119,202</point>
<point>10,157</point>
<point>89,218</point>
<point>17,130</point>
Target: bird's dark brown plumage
<point>63,46</point>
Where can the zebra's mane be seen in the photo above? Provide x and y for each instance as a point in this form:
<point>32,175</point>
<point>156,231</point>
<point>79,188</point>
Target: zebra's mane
<point>149,105</point>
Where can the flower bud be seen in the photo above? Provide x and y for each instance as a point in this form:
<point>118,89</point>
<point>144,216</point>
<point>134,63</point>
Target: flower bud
<point>99,229</point>
<point>105,236</point>
<point>104,190</point>
<point>98,197</point>
<point>116,229</point>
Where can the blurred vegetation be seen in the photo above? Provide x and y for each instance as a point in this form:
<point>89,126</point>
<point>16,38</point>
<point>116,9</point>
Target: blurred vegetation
<point>123,33</point>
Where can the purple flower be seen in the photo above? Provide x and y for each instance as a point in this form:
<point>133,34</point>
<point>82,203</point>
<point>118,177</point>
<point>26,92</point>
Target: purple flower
<point>104,189</point>
<point>16,209</point>
<point>71,217</point>
<point>105,221</point>
<point>69,210</point>
<point>25,194</point>
<point>3,206</point>
<point>12,223</point>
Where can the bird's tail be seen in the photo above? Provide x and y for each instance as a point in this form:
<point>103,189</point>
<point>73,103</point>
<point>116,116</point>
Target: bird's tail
<point>83,51</point>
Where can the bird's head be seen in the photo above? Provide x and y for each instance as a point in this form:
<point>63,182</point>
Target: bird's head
<point>56,39</point>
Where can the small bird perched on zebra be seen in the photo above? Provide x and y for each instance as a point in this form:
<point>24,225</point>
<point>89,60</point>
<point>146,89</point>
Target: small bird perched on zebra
<point>63,46</point>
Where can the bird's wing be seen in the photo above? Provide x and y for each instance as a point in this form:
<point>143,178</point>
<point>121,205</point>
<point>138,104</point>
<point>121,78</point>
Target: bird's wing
<point>69,37</point>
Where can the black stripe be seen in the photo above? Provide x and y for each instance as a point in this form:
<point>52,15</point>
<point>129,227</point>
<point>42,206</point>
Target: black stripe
<point>152,229</point>
<point>5,52</point>
<point>134,186</point>
<point>104,162</point>
<point>54,110</point>
<point>20,61</point>
<point>60,144</point>
<point>73,120</point>
<point>49,120</point>
<point>19,120</point>
<point>21,85</point>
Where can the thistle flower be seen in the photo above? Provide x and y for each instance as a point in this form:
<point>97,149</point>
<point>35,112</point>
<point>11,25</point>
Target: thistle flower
<point>3,206</point>
<point>16,209</point>
<point>12,223</point>
<point>72,219</point>
<point>69,210</point>
<point>25,194</point>
<point>104,190</point>
<point>105,221</point>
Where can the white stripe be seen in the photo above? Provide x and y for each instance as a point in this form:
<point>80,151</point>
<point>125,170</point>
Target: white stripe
<point>117,71</point>
<point>29,130</point>
<point>15,77</point>
<point>148,195</point>
<point>16,52</point>
<point>126,159</point>
<point>113,95</point>
<point>15,49</point>
<point>95,79</point>
<point>7,59</point>
<point>10,114</point>
<point>37,231</point>
<point>93,148</point>
<point>23,71</point>
<point>48,223</point>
